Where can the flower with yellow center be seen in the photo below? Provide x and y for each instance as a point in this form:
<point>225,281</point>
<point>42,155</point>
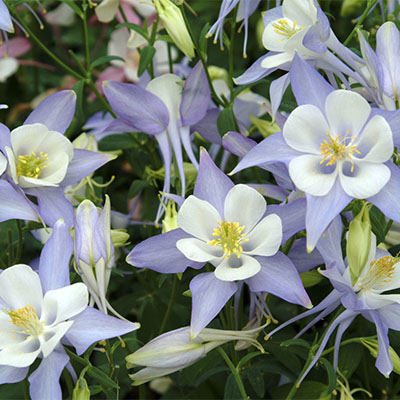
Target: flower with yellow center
<point>285,28</point>
<point>230,241</point>
<point>327,152</point>
<point>26,319</point>
<point>37,156</point>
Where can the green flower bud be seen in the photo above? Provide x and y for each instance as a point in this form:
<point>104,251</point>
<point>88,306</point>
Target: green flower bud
<point>266,128</point>
<point>174,23</point>
<point>359,242</point>
<point>351,7</point>
<point>81,390</point>
<point>119,237</point>
<point>218,73</point>
<point>372,346</point>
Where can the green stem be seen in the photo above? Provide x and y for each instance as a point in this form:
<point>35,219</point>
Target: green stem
<point>47,51</point>
<point>235,373</point>
<point>202,59</point>
<point>231,60</point>
<point>354,340</point>
<point>86,36</point>
<point>371,3</point>
<point>170,304</point>
<point>121,10</point>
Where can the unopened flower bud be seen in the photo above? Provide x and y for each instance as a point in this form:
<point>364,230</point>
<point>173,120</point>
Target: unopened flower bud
<point>170,221</point>
<point>81,390</point>
<point>373,347</point>
<point>173,21</point>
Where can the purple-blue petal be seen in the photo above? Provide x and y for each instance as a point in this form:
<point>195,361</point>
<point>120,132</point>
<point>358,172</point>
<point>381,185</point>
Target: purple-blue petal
<point>279,276</point>
<point>15,205</point>
<point>55,112</point>
<point>83,164</point>
<point>308,86</point>
<point>4,138</point>
<point>277,90</point>
<point>387,200</point>
<point>12,374</point>
<point>237,144</point>
<point>255,72</point>
<point>137,107</point>
<point>44,381</point>
<point>55,258</point>
<point>303,260</point>
<point>160,254</point>
<point>312,40</point>
<point>92,325</point>
<point>196,96</point>
<point>322,210</point>
<point>212,184</point>
<point>209,295</point>
<point>207,127</point>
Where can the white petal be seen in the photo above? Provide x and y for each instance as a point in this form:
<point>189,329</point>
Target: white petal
<point>53,144</point>
<point>245,205</point>
<point>276,60</point>
<point>347,112</point>
<point>20,285</point>
<point>235,269</point>
<point>51,337</point>
<point>303,12</point>
<point>3,163</point>
<point>306,129</point>
<point>169,89</point>
<point>198,250</point>
<point>106,10</point>
<point>61,304</point>
<point>271,39</point>
<point>25,138</point>
<point>310,176</point>
<point>8,66</point>
<point>117,46</point>
<point>22,354</point>
<point>57,169</point>
<point>366,180</point>
<point>376,141</point>
<point>265,238</point>
<point>11,169</point>
<point>198,218</point>
<point>7,332</point>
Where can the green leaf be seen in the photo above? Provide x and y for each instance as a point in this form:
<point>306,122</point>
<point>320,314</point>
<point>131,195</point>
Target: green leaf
<point>226,121</point>
<point>378,222</point>
<point>331,375</point>
<point>101,377</point>
<point>117,142</point>
<point>231,389</point>
<point>135,27</point>
<point>296,342</point>
<point>350,360</point>
<point>247,358</point>
<point>203,42</point>
<point>256,379</point>
<point>136,187</point>
<point>146,57</point>
<point>103,60</point>
<point>311,278</point>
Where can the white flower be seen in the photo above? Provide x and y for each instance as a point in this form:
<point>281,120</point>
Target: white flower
<point>285,35</point>
<point>342,142</point>
<point>230,241</point>
<point>38,157</point>
<point>31,324</point>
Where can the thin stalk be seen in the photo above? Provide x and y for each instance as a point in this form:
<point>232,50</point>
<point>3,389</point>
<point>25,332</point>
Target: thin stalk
<point>20,242</point>
<point>170,304</point>
<point>235,373</point>
<point>354,340</point>
<point>370,5</point>
<point>203,61</point>
<point>86,35</point>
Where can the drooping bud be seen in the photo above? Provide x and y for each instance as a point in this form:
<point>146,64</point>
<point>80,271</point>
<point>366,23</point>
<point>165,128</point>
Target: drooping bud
<point>170,220</point>
<point>81,390</point>
<point>173,21</point>
<point>373,347</point>
<point>359,242</point>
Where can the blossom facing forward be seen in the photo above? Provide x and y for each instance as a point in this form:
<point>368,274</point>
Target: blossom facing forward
<point>230,241</point>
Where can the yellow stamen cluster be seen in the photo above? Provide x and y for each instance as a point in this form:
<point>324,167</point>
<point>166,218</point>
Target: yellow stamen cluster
<point>380,272</point>
<point>337,148</point>
<point>31,165</point>
<point>26,319</point>
<point>282,27</point>
<point>230,237</point>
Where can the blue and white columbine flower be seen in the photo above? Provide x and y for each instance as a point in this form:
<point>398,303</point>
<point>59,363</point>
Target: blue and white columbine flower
<point>230,227</point>
<point>336,148</point>
<point>41,311</point>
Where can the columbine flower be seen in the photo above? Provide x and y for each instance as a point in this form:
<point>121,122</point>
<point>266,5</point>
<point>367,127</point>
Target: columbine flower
<point>8,56</point>
<point>40,311</point>
<point>175,350</point>
<point>42,161</point>
<point>94,250</point>
<point>336,149</point>
<point>241,242</point>
<point>5,19</point>
<point>364,294</point>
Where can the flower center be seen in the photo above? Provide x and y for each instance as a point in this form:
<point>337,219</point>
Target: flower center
<point>380,272</point>
<point>26,319</point>
<point>285,28</point>
<point>229,237</point>
<point>337,148</point>
<point>31,165</point>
